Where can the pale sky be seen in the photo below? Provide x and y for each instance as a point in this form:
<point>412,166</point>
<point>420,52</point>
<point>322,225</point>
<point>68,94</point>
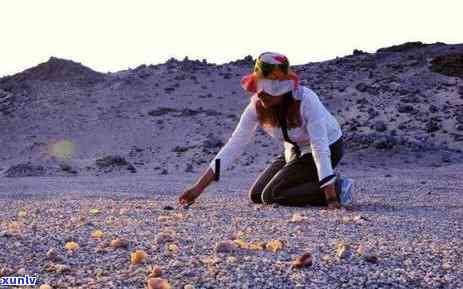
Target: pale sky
<point>111,35</point>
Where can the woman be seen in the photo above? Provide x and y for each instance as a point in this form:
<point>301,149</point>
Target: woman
<point>303,173</point>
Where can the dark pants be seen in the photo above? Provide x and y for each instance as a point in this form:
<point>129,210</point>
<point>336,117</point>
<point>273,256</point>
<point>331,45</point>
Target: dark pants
<point>294,183</point>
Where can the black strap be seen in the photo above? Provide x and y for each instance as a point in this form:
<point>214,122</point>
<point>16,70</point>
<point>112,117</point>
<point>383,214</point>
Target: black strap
<point>284,126</point>
<point>217,170</point>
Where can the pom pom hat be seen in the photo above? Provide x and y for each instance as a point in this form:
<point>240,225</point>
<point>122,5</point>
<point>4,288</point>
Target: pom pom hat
<point>272,74</point>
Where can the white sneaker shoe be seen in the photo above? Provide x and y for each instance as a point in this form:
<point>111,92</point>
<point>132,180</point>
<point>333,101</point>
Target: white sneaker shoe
<point>345,198</point>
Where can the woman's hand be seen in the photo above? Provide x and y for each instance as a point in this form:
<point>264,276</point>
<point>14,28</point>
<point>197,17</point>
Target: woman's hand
<point>189,196</point>
<point>331,197</point>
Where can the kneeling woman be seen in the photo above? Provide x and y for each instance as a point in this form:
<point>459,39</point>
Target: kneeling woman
<point>303,174</point>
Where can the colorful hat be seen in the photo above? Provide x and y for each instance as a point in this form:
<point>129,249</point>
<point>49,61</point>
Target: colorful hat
<point>272,74</point>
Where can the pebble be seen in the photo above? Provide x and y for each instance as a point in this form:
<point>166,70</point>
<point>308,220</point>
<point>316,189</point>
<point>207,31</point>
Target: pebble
<point>158,283</point>
<point>156,271</point>
<point>21,272</point>
<point>97,234</point>
<point>71,246</point>
<point>164,237</point>
<point>342,250</point>
<point>52,254</point>
<point>367,253</point>
<point>119,243</point>
<point>226,247</point>
<point>297,218</point>
<point>138,257</point>
<point>303,261</point>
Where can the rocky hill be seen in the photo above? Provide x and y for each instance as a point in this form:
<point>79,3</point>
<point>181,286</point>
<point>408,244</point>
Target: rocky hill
<point>61,117</point>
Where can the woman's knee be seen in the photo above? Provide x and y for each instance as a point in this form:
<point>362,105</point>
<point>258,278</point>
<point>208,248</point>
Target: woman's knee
<point>255,196</point>
<point>285,178</point>
<point>264,196</point>
<point>270,192</point>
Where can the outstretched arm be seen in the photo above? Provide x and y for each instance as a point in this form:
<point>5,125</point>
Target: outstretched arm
<point>235,145</point>
<point>240,137</point>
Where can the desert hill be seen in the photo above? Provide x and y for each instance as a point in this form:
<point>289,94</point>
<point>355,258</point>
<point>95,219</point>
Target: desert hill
<point>61,117</point>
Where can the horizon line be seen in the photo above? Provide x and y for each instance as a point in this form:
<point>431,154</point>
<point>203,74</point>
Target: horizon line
<point>222,63</point>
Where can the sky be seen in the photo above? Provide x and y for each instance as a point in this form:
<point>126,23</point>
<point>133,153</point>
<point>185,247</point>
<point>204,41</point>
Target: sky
<point>116,35</point>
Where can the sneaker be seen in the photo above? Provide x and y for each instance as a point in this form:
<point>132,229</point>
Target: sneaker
<point>345,197</point>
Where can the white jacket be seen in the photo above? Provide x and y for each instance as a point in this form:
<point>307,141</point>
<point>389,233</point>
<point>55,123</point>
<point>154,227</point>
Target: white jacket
<point>319,129</point>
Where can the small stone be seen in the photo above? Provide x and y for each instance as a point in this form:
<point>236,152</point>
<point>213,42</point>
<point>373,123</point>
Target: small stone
<point>97,234</point>
<point>303,261</point>
<point>164,218</point>
<point>22,213</point>
<point>156,271</point>
<point>345,219</point>
<point>432,126</point>
<point>188,286</point>
<point>58,268</point>
<point>5,271</point>
<point>94,211</point>
<point>326,258</point>
<point>212,142</point>
<point>371,258</point>
<point>341,250</point>
<point>61,268</point>
<point>226,247</point>
<point>257,246</point>
<point>173,248</point>
<point>99,273</point>
<point>101,247</point>
<point>242,244</point>
<point>297,218</point>
<point>361,250</point>
<point>45,286</point>
<point>71,246</point>
<point>21,272</point>
<point>433,108</point>
<point>52,254</point>
<point>362,87</point>
<point>138,257</point>
<point>164,237</point>
<point>274,246</point>
<point>405,108</point>
<point>359,219</point>
<point>158,283</point>
<point>380,126</point>
<point>367,253</point>
<point>119,243</point>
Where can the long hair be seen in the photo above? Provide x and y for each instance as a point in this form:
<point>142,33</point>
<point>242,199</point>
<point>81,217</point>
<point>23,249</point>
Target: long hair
<point>290,107</point>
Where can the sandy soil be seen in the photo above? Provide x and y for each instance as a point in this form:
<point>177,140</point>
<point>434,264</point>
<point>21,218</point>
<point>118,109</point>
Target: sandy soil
<point>410,220</point>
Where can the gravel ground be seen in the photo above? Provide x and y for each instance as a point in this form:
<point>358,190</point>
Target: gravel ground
<point>407,221</point>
